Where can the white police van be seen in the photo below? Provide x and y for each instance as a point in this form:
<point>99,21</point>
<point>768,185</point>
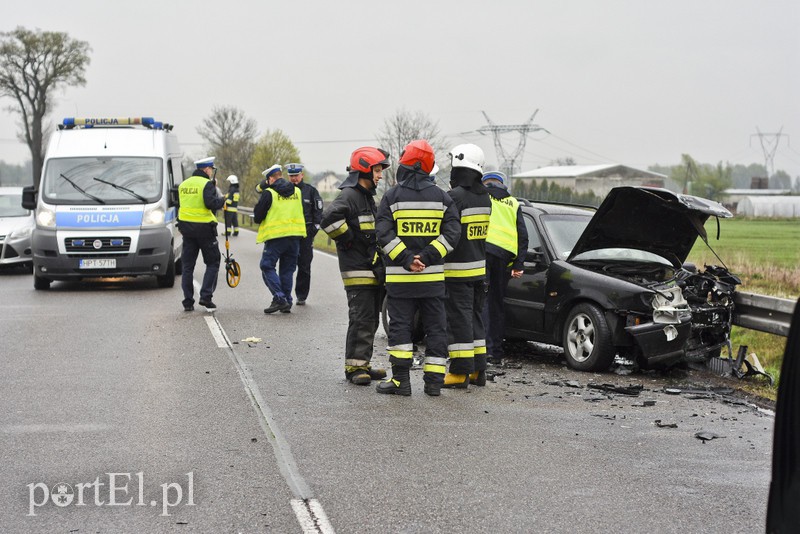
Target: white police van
<point>107,202</point>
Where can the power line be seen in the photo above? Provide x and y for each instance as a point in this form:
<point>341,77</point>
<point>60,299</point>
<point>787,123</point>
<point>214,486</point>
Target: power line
<point>508,161</point>
<point>769,144</point>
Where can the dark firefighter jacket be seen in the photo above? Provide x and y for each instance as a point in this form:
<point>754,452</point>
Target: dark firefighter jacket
<point>498,194</point>
<point>467,262</point>
<point>232,198</point>
<point>211,200</point>
<point>312,207</point>
<point>350,221</point>
<point>416,218</point>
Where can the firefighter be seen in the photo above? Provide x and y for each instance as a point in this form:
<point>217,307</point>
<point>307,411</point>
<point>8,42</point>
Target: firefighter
<point>279,212</point>
<point>197,223</point>
<point>232,206</point>
<point>417,227</point>
<point>312,212</point>
<point>506,245</point>
<point>465,270</point>
<point>350,222</point>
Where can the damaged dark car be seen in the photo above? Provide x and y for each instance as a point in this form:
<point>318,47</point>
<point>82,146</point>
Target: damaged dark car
<point>614,283</point>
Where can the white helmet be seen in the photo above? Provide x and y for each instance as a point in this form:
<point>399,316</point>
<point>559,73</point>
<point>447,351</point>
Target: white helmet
<point>469,156</point>
<point>233,179</point>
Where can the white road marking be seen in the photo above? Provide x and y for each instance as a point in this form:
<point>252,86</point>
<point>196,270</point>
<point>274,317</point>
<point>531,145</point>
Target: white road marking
<point>309,511</point>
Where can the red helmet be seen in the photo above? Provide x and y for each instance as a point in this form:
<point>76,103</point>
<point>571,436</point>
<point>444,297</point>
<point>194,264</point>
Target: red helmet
<point>364,158</point>
<point>418,151</point>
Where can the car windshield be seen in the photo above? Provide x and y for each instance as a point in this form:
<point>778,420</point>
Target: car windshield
<point>11,206</point>
<point>564,231</point>
<point>102,180</point>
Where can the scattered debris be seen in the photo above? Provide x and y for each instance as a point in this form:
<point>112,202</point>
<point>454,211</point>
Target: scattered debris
<point>644,403</point>
<point>632,390</point>
<point>251,340</point>
<point>672,391</point>
<point>660,424</point>
<point>704,436</point>
<point>605,416</point>
<point>563,383</point>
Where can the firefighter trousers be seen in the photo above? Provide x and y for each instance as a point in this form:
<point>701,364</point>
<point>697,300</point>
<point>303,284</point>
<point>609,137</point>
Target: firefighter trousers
<point>466,345</point>
<point>364,316</point>
<point>401,325</point>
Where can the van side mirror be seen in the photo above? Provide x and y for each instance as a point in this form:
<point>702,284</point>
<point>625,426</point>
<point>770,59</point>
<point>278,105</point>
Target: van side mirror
<point>173,196</point>
<point>29,197</point>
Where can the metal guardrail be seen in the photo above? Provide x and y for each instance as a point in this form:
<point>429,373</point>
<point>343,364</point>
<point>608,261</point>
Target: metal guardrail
<point>246,218</point>
<point>772,315</point>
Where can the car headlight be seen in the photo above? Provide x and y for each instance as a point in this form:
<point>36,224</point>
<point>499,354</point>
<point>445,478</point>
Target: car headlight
<point>153,215</point>
<point>45,216</point>
<point>21,233</point>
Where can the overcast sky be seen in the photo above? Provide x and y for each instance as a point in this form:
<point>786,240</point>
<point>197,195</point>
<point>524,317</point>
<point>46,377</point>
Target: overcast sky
<point>634,82</point>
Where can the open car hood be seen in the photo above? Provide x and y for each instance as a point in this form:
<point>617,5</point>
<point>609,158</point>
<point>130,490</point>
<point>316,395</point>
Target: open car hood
<point>650,219</point>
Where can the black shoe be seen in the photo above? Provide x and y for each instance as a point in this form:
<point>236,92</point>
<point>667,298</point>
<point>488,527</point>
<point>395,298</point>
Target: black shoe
<point>288,309</point>
<point>277,305</point>
<point>391,386</point>
<point>377,374</point>
<point>188,307</point>
<point>207,304</point>
<point>360,378</point>
<point>478,378</point>
<point>301,302</point>
<point>434,390</point>
<point>497,362</point>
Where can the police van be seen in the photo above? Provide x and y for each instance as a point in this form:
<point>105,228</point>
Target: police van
<point>106,205</point>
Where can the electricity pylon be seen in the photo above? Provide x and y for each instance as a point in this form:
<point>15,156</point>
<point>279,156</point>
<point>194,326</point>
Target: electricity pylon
<point>508,162</point>
<point>769,144</point>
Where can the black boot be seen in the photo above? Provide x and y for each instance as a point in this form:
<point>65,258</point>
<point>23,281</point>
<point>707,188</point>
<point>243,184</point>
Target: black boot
<point>399,384</point>
<point>377,374</point>
<point>360,377</point>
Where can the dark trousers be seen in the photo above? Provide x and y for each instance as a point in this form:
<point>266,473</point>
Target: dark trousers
<point>364,316</point>
<point>231,222</point>
<point>466,345</point>
<point>401,326</point>
<point>303,284</point>
<point>192,247</point>
<point>497,274</point>
<point>283,250</point>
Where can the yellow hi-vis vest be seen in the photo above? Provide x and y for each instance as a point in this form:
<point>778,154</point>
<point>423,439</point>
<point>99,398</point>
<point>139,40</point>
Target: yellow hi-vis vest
<point>503,224</point>
<point>284,217</point>
<point>192,208</point>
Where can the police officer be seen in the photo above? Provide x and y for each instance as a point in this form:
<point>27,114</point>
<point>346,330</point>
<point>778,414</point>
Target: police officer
<point>312,212</point>
<point>506,245</point>
<point>232,206</point>
<point>417,227</point>
<point>465,270</point>
<point>279,212</point>
<point>198,200</point>
<point>350,222</point>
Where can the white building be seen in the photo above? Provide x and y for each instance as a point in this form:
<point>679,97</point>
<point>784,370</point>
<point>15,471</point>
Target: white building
<point>777,207</point>
<point>599,179</point>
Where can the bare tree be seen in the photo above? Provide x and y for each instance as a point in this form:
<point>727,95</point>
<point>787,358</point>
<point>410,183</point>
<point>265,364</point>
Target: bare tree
<point>33,64</point>
<point>231,137</point>
<point>404,127</point>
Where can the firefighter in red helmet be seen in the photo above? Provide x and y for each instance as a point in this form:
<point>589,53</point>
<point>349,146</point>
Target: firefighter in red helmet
<point>350,221</point>
<point>417,227</point>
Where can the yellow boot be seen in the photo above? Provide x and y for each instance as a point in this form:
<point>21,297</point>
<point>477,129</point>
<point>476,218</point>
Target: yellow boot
<point>456,381</point>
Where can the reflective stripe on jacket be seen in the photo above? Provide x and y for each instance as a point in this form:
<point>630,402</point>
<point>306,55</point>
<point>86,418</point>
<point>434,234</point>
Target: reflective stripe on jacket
<point>468,261</point>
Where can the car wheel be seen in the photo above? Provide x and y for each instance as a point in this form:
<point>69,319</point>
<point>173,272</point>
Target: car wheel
<point>40,283</point>
<point>168,278</point>
<point>587,339</point>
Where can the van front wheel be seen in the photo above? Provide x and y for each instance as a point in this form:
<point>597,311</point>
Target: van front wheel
<point>168,278</point>
<point>40,283</point>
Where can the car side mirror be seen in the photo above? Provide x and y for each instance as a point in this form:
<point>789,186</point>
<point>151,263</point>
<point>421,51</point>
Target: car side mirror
<point>173,196</point>
<point>533,257</point>
<point>29,197</point>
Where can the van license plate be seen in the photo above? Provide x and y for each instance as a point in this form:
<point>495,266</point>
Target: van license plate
<point>105,263</point>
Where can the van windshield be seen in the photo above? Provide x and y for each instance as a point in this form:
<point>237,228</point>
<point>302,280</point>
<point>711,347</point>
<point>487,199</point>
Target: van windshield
<point>104,180</point>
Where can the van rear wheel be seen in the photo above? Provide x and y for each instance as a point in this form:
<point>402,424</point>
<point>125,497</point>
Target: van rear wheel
<point>40,283</point>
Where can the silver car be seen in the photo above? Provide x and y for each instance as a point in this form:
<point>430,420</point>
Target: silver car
<point>16,225</point>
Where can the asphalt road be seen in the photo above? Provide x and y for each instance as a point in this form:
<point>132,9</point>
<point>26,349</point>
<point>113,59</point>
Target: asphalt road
<point>206,432</point>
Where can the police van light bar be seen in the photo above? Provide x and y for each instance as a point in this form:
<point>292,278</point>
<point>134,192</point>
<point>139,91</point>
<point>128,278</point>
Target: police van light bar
<point>148,122</point>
